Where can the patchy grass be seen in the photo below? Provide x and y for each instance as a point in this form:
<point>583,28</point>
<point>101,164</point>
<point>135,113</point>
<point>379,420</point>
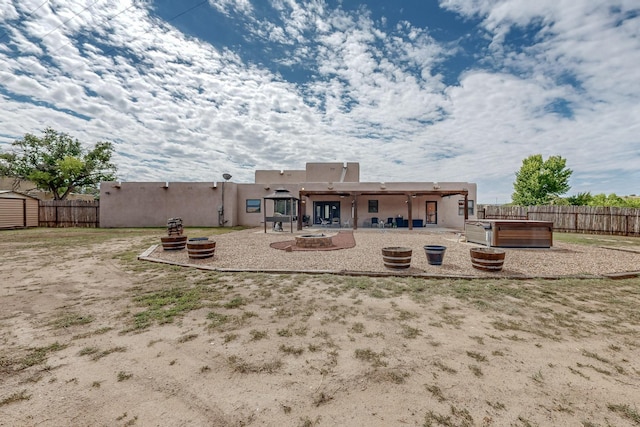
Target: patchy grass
<point>187,338</point>
<point>625,411</point>
<point>456,418</point>
<point>436,392</point>
<point>445,368</point>
<point>123,376</point>
<point>165,305</point>
<point>476,370</point>
<point>241,366</point>
<point>296,351</point>
<point>68,319</point>
<point>370,356</point>
<point>477,356</point>
<point>235,302</point>
<point>34,356</point>
<point>15,397</point>
<point>594,239</point>
<point>257,335</point>
<point>100,354</point>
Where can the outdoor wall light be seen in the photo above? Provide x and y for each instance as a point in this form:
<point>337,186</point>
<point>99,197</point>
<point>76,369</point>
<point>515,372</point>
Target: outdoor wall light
<point>221,220</point>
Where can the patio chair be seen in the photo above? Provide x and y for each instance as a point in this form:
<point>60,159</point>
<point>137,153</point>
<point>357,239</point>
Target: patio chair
<point>324,222</point>
<point>374,221</point>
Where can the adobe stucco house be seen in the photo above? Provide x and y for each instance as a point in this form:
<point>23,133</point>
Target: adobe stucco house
<point>322,193</point>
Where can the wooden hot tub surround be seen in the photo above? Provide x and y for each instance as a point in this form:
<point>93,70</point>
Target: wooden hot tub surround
<point>505,233</point>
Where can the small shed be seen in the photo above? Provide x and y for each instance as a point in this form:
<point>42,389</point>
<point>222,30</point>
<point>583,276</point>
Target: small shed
<point>18,210</point>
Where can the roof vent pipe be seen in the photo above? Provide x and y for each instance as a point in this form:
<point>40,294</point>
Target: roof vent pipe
<point>344,171</point>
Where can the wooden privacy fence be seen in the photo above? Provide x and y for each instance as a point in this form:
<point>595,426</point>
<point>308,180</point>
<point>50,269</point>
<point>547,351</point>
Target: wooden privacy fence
<point>573,219</point>
<point>69,213</point>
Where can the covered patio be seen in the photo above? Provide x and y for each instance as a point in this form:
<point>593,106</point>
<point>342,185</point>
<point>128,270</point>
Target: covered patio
<point>355,195</point>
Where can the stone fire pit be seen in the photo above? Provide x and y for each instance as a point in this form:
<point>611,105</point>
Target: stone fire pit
<point>310,241</point>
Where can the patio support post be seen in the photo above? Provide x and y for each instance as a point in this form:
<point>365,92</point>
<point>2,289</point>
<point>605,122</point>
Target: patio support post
<point>291,213</point>
<point>355,211</point>
<point>299,227</point>
<point>466,206</point>
<point>410,211</point>
<point>264,215</point>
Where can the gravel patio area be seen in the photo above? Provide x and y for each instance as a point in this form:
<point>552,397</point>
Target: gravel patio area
<point>249,250</point>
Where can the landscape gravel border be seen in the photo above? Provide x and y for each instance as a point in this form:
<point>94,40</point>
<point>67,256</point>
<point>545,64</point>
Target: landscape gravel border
<point>249,251</point>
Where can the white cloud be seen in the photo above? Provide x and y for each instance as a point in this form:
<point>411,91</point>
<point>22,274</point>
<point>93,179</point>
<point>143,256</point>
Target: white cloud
<point>180,109</point>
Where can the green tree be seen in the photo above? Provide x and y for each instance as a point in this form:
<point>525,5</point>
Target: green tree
<point>612,200</point>
<point>580,199</point>
<point>539,181</point>
<point>58,163</point>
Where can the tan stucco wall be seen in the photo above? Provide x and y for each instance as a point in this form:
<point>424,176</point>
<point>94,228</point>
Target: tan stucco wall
<point>149,204</point>
<point>314,172</point>
<point>270,178</point>
<point>332,172</point>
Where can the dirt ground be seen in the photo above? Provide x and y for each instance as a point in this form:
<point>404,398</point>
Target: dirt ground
<point>90,336</point>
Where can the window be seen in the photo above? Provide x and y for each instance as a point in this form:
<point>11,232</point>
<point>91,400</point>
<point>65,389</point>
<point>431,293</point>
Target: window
<point>253,205</point>
<point>469,207</point>
<point>282,207</point>
<point>373,206</point>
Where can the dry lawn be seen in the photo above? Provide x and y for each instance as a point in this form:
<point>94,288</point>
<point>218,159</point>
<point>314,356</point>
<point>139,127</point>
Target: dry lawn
<point>91,336</point>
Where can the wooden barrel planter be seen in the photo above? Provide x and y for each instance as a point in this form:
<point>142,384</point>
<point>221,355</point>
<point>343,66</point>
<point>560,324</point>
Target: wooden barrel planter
<point>396,258</point>
<point>435,254</point>
<point>487,259</point>
<point>200,248</point>
<point>173,243</point>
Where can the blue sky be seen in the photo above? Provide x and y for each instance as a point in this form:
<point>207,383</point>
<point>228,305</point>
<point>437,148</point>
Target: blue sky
<point>414,90</point>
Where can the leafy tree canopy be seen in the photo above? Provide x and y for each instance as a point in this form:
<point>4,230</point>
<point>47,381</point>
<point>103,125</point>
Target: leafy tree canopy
<point>58,163</point>
<point>580,199</point>
<point>613,200</point>
<point>539,182</point>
